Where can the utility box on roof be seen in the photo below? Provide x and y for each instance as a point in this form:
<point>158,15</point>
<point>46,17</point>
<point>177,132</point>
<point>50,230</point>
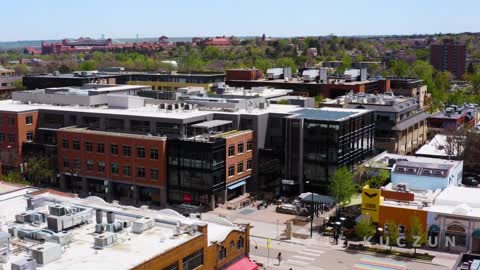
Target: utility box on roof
<point>142,224</point>
<point>46,253</point>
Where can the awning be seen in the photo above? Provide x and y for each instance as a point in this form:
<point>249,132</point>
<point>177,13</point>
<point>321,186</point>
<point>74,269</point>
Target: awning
<point>434,229</point>
<point>243,264</point>
<point>316,198</point>
<point>238,184</point>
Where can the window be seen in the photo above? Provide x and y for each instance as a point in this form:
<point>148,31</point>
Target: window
<point>232,244</point>
<point>29,120</point>
<point>140,152</point>
<point>76,145</point>
<point>240,148</point>
<point>65,144</point>
<point>88,147</point>
<point>240,243</point>
<point>11,138</point>
<point>141,172</point>
<point>154,174</point>
<point>222,253</point>
<point>193,261</point>
<point>100,148</point>
<point>2,137</point>
<point>231,171</point>
<point>89,165</point>
<point>127,150</point>
<point>240,168</point>
<point>249,164</point>
<point>1,121</point>
<point>11,121</point>
<point>249,145</point>
<point>29,136</point>
<point>66,163</point>
<point>114,168</point>
<point>76,163</point>
<point>154,154</point>
<point>231,151</point>
<point>114,149</point>
<point>101,166</point>
<point>126,170</point>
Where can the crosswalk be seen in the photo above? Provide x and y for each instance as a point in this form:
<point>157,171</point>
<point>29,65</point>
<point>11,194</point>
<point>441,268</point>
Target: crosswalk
<point>305,257</point>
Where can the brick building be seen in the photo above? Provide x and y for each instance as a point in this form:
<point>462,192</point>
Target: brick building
<point>449,56</point>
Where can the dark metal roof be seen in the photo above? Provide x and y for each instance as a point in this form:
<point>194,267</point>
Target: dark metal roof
<point>322,114</point>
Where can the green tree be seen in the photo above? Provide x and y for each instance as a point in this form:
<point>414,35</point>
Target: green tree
<point>38,169</point>
<point>400,68</point>
<point>283,101</point>
<point>88,65</point>
<point>346,63</point>
<point>392,234</point>
<point>342,187</point>
<point>14,178</point>
<point>64,69</point>
<point>364,228</point>
<point>417,235</point>
<point>379,179</point>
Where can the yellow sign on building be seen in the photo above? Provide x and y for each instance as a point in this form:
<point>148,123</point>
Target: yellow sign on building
<point>371,201</point>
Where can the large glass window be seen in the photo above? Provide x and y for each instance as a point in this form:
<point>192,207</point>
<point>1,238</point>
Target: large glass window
<point>240,168</point>
<point>154,174</point>
<point>76,145</point>
<point>29,120</point>
<point>100,148</point>
<point>127,150</point>
<point>65,144</point>
<point>231,171</point>
<point>240,148</point>
<point>249,146</point>
<point>140,152</point>
<point>114,149</point>
<point>126,170</point>
<point>114,168</point>
<point>101,166</point>
<point>231,150</point>
<point>154,154</point>
<point>141,172</point>
<point>88,147</point>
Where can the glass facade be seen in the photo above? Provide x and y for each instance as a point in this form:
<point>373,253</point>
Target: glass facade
<point>196,170</point>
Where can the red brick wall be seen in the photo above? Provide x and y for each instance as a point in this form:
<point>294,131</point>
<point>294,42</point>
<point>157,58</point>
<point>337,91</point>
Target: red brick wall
<point>109,158</point>
<point>19,131</point>
<point>235,140</point>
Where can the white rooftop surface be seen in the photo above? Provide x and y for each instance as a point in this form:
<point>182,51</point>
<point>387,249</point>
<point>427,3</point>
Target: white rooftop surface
<point>101,88</point>
<point>261,92</point>
<point>130,250</point>
<point>437,147</point>
<point>146,111</point>
<point>381,160</point>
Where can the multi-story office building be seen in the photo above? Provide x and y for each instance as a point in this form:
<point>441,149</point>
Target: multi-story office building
<point>197,149</point>
<point>325,87</point>
<point>449,56</point>
<point>400,123</point>
<point>319,141</point>
<point>211,168</point>
<point>157,81</point>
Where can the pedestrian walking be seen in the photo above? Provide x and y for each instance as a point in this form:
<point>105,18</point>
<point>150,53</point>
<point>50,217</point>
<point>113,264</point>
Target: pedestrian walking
<point>279,257</point>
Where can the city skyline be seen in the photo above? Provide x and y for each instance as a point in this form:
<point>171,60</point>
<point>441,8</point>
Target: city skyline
<point>306,18</point>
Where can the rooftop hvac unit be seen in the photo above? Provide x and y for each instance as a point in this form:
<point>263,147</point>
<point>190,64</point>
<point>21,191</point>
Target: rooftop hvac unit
<point>30,216</point>
<point>62,238</point>
<point>105,240</point>
<point>24,264</point>
<point>46,253</point>
<point>36,202</point>
<point>142,224</point>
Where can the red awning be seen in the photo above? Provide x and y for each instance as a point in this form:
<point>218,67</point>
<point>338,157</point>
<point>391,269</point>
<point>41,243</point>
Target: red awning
<point>243,264</point>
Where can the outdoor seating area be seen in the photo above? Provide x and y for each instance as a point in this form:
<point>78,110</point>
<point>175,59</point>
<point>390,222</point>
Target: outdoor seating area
<point>239,202</point>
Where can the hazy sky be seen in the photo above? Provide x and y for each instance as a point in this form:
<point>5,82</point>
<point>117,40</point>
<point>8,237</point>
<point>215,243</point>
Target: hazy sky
<point>56,19</point>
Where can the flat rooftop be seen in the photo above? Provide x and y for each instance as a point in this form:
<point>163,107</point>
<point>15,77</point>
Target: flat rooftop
<point>149,110</point>
<point>212,124</point>
<point>130,250</point>
<point>329,114</point>
<point>382,160</point>
<point>300,81</point>
<point>440,147</point>
<point>109,133</point>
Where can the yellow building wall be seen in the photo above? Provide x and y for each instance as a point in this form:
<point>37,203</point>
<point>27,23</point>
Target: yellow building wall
<point>371,201</point>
